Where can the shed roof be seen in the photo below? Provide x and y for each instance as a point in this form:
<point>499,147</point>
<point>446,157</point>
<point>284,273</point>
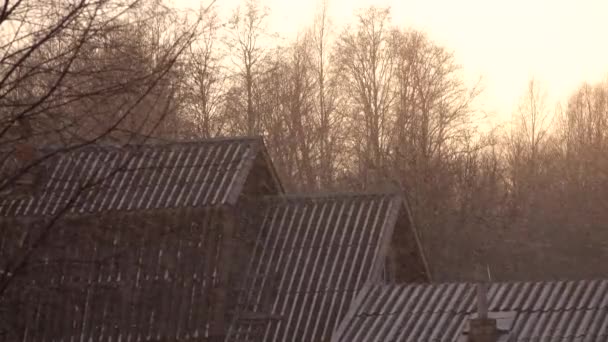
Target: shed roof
<point>139,177</point>
<point>312,257</point>
<point>130,283</point>
<point>540,311</point>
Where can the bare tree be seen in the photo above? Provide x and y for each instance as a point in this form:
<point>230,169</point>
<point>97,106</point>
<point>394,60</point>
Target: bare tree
<point>300,93</point>
<point>433,130</point>
<point>131,49</point>
<point>247,28</point>
<point>366,62</point>
<point>533,119</point>
<point>60,65</point>
<point>285,94</point>
<point>525,142</point>
<point>72,73</point>
<point>204,81</point>
<point>326,102</point>
<point>582,128</point>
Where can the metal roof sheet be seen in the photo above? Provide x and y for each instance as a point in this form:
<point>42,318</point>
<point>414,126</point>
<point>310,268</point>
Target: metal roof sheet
<point>130,284</point>
<point>312,257</point>
<point>543,311</point>
<point>95,179</point>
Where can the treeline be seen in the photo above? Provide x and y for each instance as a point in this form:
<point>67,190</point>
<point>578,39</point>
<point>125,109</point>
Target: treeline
<point>365,107</point>
<point>350,108</point>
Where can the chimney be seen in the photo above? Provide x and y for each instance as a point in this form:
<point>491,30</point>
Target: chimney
<point>482,328</point>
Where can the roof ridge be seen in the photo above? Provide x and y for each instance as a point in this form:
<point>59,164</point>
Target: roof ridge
<point>107,147</point>
<point>472,283</point>
<point>187,143</point>
<point>333,195</point>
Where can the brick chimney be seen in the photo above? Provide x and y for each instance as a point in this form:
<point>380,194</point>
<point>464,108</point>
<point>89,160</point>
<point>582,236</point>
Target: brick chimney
<point>482,328</point>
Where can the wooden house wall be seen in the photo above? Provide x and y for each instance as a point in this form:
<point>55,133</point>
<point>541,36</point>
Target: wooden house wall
<point>405,259</point>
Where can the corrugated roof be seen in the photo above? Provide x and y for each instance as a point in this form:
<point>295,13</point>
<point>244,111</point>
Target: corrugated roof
<point>129,284</point>
<point>95,179</point>
<point>313,255</point>
<point>543,311</point>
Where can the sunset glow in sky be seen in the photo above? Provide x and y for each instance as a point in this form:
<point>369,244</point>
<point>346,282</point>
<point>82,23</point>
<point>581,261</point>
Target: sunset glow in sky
<point>561,43</point>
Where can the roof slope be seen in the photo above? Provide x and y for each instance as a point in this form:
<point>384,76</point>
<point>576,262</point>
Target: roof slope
<point>541,311</point>
<point>312,257</point>
<point>131,284</point>
<point>95,179</point>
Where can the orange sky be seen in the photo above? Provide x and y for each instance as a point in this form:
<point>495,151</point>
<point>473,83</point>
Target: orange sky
<point>561,43</point>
